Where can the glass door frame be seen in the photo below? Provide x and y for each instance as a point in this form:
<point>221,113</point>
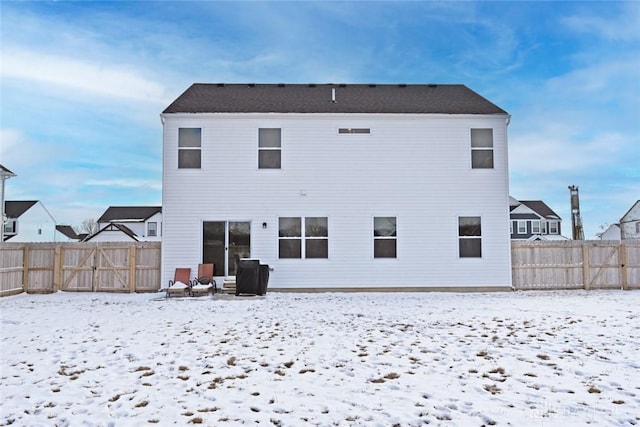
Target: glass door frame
<point>229,246</point>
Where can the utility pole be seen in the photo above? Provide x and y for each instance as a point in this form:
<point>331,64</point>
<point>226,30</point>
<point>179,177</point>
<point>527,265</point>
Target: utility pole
<point>576,220</point>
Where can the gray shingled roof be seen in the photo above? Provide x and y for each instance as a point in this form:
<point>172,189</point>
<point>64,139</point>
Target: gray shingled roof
<point>317,98</point>
<point>540,208</point>
<point>68,231</point>
<point>129,213</point>
<point>15,209</point>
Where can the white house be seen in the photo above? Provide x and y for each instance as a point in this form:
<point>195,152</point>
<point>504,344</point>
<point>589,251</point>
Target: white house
<point>339,186</point>
<point>129,224</point>
<point>630,223</point>
<point>533,220</point>
<point>29,221</point>
<point>611,233</point>
<point>628,228</point>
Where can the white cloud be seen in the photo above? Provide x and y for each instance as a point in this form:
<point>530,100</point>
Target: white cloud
<point>625,26</point>
<point>105,80</point>
<point>126,183</point>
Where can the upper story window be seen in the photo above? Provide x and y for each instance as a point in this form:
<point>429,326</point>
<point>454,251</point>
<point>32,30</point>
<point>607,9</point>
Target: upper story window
<point>535,227</point>
<point>482,148</point>
<point>384,237</point>
<point>354,130</point>
<point>11,226</point>
<point>152,229</point>
<point>189,148</point>
<point>553,227</point>
<point>290,237</point>
<point>269,148</point>
<point>522,227</point>
<point>470,237</point>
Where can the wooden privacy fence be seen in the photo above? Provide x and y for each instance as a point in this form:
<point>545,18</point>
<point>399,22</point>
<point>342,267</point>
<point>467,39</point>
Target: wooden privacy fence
<point>575,264</point>
<point>91,267</point>
<point>135,267</point>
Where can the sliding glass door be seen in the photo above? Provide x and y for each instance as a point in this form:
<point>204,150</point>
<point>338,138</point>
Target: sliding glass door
<point>222,241</point>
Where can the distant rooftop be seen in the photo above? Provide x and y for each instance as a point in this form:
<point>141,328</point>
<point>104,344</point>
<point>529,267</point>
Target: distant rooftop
<point>6,172</point>
<point>14,209</point>
<point>129,213</point>
<point>332,98</point>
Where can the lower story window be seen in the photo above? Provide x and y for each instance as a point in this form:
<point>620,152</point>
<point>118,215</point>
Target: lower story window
<point>470,237</point>
<point>384,237</point>
<point>293,243</point>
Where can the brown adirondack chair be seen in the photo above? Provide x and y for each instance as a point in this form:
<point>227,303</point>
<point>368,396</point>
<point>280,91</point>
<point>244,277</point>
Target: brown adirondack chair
<point>204,282</point>
<point>181,284</point>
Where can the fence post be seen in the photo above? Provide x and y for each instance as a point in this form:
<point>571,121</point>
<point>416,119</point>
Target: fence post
<point>25,268</point>
<point>586,273</point>
<point>132,268</point>
<point>623,266</point>
<point>57,268</point>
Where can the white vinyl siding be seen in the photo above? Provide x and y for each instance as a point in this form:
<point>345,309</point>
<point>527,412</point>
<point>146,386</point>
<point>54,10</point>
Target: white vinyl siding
<point>417,164</point>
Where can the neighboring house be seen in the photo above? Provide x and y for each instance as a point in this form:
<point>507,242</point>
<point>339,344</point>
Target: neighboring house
<point>630,223</point>
<point>611,233</point>
<point>129,223</point>
<point>533,220</point>
<point>339,186</point>
<point>29,221</point>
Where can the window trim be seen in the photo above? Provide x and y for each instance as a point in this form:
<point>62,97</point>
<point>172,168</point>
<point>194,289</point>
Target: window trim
<point>394,237</point>
<point>522,227</point>
<point>265,149</point>
<point>303,237</point>
<point>481,148</point>
<point>189,148</point>
<point>155,230</point>
<point>472,237</point>
<point>533,226</point>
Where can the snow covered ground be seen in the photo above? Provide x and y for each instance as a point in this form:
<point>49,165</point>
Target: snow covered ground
<point>363,359</point>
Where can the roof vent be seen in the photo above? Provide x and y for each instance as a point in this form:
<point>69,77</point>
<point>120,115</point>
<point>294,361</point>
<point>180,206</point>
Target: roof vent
<point>402,85</point>
<point>333,95</point>
<point>342,85</point>
<point>252,85</point>
<point>432,85</point>
<point>220,84</point>
<point>280,84</point>
<point>312,85</point>
<point>372,85</point>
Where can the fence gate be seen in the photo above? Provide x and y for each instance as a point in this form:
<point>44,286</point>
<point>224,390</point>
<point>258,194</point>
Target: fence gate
<point>78,268</point>
<point>602,266</point>
<point>112,269</point>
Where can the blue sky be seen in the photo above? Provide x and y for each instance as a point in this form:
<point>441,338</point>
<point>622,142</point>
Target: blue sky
<point>83,84</point>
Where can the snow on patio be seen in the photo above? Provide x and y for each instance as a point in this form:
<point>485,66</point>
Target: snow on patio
<point>361,359</point>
